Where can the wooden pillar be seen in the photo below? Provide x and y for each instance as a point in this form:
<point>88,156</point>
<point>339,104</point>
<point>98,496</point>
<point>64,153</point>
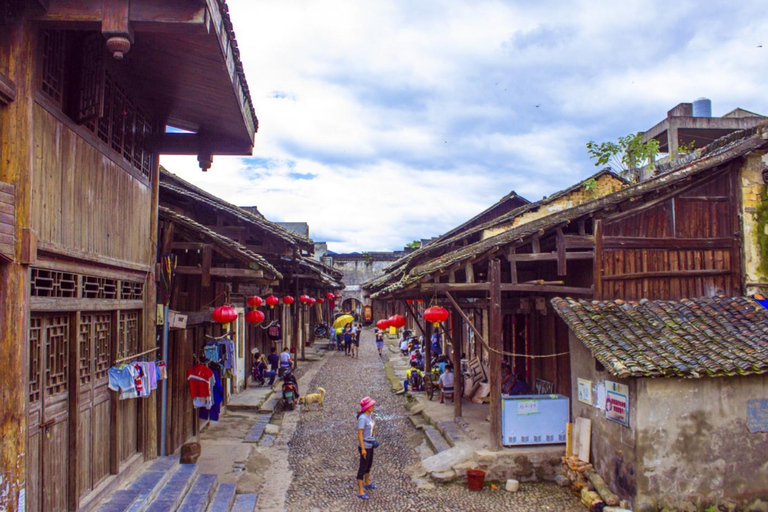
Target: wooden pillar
<point>494,274</point>
<point>598,259</point>
<point>16,150</point>
<point>457,375</point>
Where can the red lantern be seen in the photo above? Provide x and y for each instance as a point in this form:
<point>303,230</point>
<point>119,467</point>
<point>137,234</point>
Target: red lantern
<point>436,314</point>
<point>383,324</point>
<point>304,299</point>
<point>272,301</point>
<point>330,296</point>
<point>321,300</point>
<point>419,300</point>
<point>254,302</point>
<point>397,321</point>
<point>312,302</point>
<point>224,314</point>
<point>409,301</point>
<point>338,297</point>
<point>288,300</point>
<point>254,317</point>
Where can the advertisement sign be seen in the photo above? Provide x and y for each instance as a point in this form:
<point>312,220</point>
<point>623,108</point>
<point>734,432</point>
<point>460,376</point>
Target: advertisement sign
<point>585,391</point>
<point>617,402</point>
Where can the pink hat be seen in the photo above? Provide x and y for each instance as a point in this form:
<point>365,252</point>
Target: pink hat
<point>366,403</point>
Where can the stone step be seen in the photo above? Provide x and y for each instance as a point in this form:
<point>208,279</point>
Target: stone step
<point>254,435</point>
<point>245,503</point>
<point>120,501</point>
<point>170,495</point>
<point>199,495</point>
<point>451,431</point>
<point>223,499</point>
<point>436,439</point>
<point>269,405</point>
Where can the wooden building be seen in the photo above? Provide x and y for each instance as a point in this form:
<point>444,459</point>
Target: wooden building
<point>86,90</point>
<point>677,235</point>
<point>224,254</point>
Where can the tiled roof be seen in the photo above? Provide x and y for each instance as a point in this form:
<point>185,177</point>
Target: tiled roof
<point>717,153</point>
<point>172,183</point>
<point>689,338</point>
<point>228,245</point>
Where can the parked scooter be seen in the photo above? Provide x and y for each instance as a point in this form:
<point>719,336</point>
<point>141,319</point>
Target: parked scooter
<point>290,390</point>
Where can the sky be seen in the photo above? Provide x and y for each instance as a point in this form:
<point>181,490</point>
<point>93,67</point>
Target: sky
<point>385,122</point>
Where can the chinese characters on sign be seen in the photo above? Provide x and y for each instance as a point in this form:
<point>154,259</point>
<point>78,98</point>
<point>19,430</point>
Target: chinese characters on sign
<point>617,402</point>
<point>525,407</point>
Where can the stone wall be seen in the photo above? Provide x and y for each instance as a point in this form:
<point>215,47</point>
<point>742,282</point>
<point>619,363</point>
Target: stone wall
<point>613,444</point>
<point>693,444</point>
<point>754,204</point>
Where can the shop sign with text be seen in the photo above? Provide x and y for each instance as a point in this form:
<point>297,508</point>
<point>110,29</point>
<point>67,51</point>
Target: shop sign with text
<point>617,402</point>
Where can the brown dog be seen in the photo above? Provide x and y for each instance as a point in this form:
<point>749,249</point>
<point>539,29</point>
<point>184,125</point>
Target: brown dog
<point>313,398</point>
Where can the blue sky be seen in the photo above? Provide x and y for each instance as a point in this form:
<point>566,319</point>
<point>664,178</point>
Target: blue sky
<point>385,122</point>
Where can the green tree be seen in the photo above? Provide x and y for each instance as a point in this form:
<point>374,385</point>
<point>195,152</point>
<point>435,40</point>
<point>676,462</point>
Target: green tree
<point>414,245</point>
<point>625,156</point>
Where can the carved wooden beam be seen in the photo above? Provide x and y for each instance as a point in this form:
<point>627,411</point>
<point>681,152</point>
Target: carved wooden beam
<point>116,27</point>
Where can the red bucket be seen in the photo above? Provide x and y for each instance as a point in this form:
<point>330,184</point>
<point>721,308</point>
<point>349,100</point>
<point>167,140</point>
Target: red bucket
<point>475,479</point>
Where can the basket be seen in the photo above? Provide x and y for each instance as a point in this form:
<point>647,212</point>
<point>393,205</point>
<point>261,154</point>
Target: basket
<point>475,479</point>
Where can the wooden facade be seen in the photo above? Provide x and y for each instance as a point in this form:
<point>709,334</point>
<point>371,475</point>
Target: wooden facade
<point>678,235</point>
<point>80,137</point>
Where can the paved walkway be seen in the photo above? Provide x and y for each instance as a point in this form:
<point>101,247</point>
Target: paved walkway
<point>323,457</point>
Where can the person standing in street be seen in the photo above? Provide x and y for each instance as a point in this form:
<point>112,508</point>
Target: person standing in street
<point>348,333</point>
<point>379,341</point>
<point>274,365</point>
<point>357,331</point>
<point>366,443</point>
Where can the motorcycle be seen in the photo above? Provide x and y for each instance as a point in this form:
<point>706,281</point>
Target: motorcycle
<point>290,391</point>
<point>321,331</point>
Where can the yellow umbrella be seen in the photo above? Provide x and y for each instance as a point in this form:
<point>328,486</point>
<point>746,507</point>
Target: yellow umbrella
<point>343,320</point>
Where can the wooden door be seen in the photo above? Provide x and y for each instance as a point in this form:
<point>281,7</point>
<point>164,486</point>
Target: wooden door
<point>93,427</point>
<point>128,410</point>
<point>48,425</point>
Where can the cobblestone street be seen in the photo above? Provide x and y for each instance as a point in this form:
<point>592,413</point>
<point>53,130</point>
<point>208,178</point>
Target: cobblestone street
<point>323,455</point>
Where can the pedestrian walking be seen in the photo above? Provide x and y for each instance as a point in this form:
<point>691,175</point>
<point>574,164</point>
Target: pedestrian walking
<point>274,365</point>
<point>379,341</point>
<point>348,333</point>
<point>356,340</point>
<point>339,338</point>
<point>366,444</point>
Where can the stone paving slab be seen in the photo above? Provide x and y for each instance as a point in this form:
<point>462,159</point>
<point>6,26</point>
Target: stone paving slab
<point>267,441</point>
<point>223,499</point>
<point>254,435</point>
<point>199,494</point>
<point>270,404</point>
<point>451,431</point>
<point>120,501</point>
<point>171,494</point>
<point>245,503</point>
<point>436,439</point>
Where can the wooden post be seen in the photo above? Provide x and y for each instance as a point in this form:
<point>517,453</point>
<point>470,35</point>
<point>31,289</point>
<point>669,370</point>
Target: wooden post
<point>597,265</point>
<point>494,274</point>
<point>457,375</point>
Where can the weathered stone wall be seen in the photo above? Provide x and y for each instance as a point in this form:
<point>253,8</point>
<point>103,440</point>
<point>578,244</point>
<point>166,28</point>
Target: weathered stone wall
<point>604,185</point>
<point>754,206</point>
<point>693,445</point>
<point>357,270</point>
<point>613,445</point>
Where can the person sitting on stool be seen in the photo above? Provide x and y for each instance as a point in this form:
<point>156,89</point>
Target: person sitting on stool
<point>446,382</point>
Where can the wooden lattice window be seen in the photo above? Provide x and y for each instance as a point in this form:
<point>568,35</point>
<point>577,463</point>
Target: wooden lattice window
<point>128,344</point>
<point>131,290</point>
<point>101,345</point>
<point>53,65</point>
<point>57,354</point>
<point>52,283</point>
<point>84,340</point>
<point>91,100</point>
<point>35,335</point>
<point>99,288</point>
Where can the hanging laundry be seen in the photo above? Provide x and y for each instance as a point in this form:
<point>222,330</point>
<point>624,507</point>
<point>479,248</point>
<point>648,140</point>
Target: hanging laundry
<point>201,382</point>
<point>211,352</point>
<point>229,359</point>
<point>274,332</point>
<point>140,380</point>
<point>121,379</point>
<point>217,396</point>
<point>162,373</point>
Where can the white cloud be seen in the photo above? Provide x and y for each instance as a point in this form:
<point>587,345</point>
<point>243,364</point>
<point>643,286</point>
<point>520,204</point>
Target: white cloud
<point>414,116</point>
